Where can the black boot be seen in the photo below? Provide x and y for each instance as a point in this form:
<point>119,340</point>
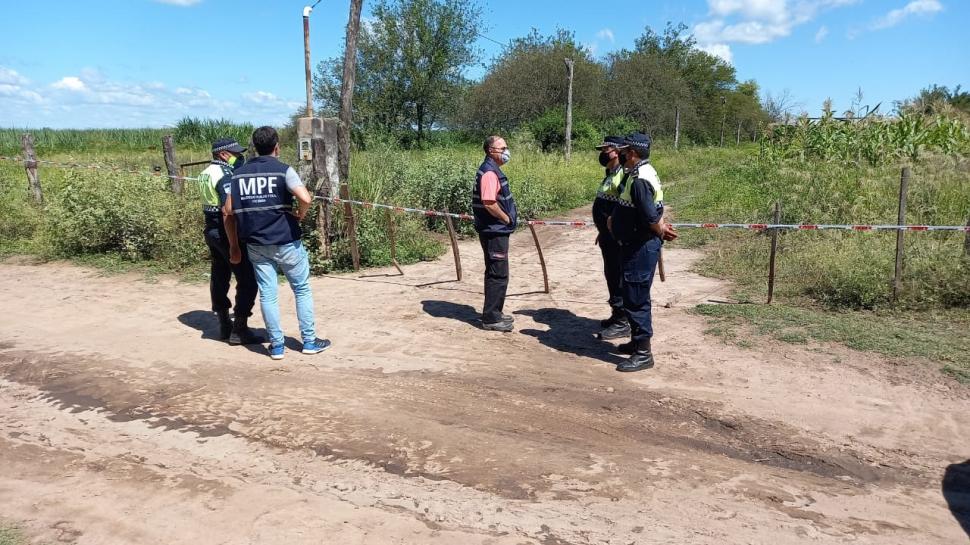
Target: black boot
<point>640,360</point>
<point>225,324</point>
<point>241,334</point>
<point>617,316</point>
<point>619,329</point>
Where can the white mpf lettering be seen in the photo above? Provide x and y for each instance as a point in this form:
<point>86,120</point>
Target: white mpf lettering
<point>247,186</point>
<point>260,184</point>
<point>272,184</point>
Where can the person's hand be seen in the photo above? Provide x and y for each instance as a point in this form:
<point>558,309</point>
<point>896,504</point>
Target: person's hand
<point>669,232</point>
<point>235,255</point>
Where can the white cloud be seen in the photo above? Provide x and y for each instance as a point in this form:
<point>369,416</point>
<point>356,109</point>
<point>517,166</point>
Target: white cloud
<point>606,34</point>
<point>719,50</point>
<point>916,7</point>
<point>9,76</point>
<point>821,34</point>
<point>757,21</point>
<point>70,83</point>
<point>181,3</point>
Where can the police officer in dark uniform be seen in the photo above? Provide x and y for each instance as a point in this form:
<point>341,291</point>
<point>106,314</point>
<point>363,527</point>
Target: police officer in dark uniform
<point>227,154</point>
<point>495,219</point>
<point>638,226</point>
<point>617,326</point>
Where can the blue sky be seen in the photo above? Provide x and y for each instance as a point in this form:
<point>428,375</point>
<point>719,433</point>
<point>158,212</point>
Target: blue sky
<point>138,63</point>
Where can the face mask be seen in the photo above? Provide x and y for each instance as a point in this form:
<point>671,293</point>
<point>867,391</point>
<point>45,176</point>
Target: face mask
<point>506,156</point>
<point>237,161</point>
<point>604,158</point>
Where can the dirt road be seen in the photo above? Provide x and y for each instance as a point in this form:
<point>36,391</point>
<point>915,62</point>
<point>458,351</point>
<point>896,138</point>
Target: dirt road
<point>124,422</point>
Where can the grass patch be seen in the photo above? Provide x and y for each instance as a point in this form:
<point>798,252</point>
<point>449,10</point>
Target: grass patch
<point>939,336</point>
<point>11,535</point>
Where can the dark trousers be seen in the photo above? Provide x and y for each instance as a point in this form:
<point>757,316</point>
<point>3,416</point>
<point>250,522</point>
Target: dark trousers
<point>613,271</point>
<point>220,272</point>
<point>496,249</point>
<point>639,263</point>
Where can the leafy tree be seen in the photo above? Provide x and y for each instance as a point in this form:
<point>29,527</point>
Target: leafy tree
<point>530,78</point>
<point>410,64</point>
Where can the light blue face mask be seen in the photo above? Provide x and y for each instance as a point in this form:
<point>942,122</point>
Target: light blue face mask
<point>506,156</point>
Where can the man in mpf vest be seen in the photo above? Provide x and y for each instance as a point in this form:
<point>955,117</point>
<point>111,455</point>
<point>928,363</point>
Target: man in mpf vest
<point>495,219</point>
<point>617,326</point>
<point>227,154</point>
<point>259,212</point>
<point>638,225</point>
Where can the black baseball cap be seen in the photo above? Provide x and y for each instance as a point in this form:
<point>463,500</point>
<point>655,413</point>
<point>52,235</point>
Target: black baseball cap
<point>612,142</point>
<point>640,142</point>
<point>227,144</point>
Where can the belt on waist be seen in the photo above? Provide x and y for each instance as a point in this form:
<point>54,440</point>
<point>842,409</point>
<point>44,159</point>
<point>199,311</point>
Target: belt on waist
<point>210,208</point>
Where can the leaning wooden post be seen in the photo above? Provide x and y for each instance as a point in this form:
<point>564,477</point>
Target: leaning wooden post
<point>738,142</point>
<point>30,165</point>
<point>346,124</point>
<point>677,129</point>
<point>392,230</point>
<point>901,220</point>
<point>454,243</point>
<point>168,147</point>
<point>966,240</point>
<point>542,260</point>
<point>776,219</point>
<point>569,109</point>
<point>660,265</point>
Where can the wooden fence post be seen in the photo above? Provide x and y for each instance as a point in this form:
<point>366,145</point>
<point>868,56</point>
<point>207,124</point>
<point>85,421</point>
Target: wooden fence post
<point>542,259</point>
<point>738,142</point>
<point>168,147</point>
<point>30,165</point>
<point>454,244</point>
<point>392,230</point>
<point>966,241</point>
<point>324,172</point>
<point>569,110</point>
<point>776,219</point>
<point>677,128</point>
<point>898,277</point>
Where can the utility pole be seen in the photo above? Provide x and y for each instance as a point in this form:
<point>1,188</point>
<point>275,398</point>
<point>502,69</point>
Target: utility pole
<point>346,123</point>
<point>306,60</point>
<point>723,118</point>
<point>569,109</point>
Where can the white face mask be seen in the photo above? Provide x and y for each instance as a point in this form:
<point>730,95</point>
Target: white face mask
<point>506,156</point>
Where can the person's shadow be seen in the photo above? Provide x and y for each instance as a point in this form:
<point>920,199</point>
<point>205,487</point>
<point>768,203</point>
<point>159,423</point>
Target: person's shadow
<point>207,324</point>
<point>446,309</point>
<point>956,490</point>
<point>571,333</point>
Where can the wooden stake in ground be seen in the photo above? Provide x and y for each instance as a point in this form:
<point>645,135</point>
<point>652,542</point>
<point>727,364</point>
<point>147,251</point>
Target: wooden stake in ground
<point>776,219</point>
<point>346,124</point>
<point>966,241</point>
<point>901,220</point>
<point>677,128</point>
<point>30,165</point>
<point>569,108</point>
<point>454,244</point>
<point>542,259</point>
<point>392,230</point>
<point>660,265</point>
<point>168,147</point>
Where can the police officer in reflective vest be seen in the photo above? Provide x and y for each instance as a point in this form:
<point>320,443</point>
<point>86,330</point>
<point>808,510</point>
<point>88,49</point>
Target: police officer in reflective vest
<point>638,225</point>
<point>226,155</point>
<point>617,326</point>
<point>260,212</point>
<point>495,219</point>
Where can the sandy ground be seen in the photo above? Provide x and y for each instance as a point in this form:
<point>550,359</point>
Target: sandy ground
<point>123,421</point>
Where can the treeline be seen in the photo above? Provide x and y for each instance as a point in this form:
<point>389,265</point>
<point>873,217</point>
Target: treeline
<point>411,85</point>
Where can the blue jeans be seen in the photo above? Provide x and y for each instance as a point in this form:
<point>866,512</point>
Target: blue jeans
<point>639,263</point>
<point>290,259</point>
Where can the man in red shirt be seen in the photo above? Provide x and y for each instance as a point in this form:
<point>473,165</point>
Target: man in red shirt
<point>495,219</point>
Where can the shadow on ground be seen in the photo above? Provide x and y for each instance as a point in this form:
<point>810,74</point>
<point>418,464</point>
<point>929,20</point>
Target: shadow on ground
<point>205,321</point>
<point>570,333</point>
<point>956,490</point>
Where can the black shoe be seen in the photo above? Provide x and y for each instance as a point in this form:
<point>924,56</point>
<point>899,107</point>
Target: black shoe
<point>241,334</point>
<point>504,327</point>
<point>639,361</point>
<point>618,330</point>
<point>225,324</point>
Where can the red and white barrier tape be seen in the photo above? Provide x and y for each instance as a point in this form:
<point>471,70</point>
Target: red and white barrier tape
<point>750,226</point>
<point>96,167</point>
